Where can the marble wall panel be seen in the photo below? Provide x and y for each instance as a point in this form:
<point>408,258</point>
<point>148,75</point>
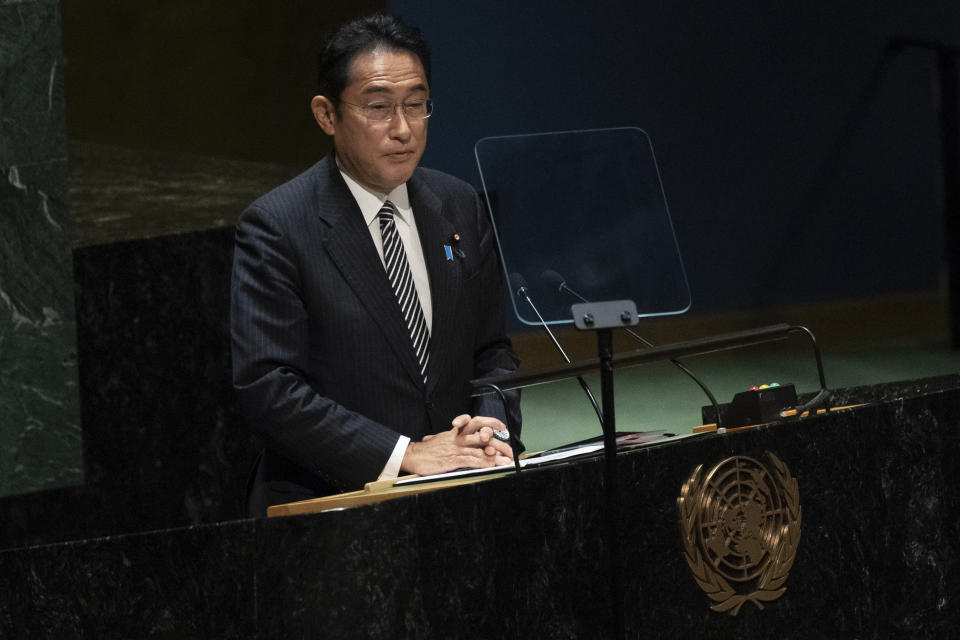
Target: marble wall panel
<point>39,423</point>
<point>31,83</point>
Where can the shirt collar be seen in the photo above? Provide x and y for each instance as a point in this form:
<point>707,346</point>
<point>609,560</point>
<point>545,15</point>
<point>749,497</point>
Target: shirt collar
<point>370,201</point>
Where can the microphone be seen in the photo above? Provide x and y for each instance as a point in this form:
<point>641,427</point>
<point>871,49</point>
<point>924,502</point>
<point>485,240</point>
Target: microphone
<point>554,279</point>
<point>519,286</point>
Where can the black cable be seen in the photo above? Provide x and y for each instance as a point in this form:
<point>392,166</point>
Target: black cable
<point>514,443</point>
<point>823,396</point>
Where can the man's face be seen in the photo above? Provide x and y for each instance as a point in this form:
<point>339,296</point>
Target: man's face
<point>379,155</point>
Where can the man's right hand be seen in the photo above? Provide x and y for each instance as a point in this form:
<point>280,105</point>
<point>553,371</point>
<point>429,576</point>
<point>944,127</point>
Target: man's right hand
<point>455,449</point>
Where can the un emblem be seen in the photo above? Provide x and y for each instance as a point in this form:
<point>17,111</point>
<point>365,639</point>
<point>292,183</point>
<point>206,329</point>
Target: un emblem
<point>740,526</point>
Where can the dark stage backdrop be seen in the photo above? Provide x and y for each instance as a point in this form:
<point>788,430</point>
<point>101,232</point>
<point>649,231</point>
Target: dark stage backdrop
<point>799,163</point>
<point>200,76</point>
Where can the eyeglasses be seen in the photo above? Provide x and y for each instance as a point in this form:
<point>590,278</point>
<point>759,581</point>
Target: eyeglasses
<point>381,111</point>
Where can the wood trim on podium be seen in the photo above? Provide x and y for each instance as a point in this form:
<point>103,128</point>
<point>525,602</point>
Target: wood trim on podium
<point>712,427</point>
<point>373,492</point>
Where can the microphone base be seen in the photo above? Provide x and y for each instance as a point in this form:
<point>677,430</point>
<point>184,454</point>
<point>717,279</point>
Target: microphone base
<point>757,406</point>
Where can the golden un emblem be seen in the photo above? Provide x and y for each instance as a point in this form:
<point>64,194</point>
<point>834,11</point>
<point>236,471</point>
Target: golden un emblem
<point>740,526</point>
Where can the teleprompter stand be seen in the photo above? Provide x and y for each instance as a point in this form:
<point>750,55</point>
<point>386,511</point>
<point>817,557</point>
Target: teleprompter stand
<point>603,317</point>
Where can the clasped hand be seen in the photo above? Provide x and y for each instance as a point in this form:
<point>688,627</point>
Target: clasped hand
<point>468,444</point>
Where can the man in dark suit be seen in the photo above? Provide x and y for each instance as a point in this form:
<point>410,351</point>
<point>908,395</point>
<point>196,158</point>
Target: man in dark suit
<point>366,293</point>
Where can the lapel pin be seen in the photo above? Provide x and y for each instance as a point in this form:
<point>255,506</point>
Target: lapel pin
<point>452,247</point>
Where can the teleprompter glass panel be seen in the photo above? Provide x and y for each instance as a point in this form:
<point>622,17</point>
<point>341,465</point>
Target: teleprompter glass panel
<point>589,207</point>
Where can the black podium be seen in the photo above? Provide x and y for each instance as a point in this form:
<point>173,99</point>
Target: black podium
<point>521,556</point>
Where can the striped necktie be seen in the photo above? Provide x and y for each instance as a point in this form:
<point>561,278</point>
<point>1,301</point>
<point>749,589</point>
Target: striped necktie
<point>398,271</point>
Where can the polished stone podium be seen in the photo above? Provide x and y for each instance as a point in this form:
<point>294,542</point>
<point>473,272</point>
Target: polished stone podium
<point>524,556</point>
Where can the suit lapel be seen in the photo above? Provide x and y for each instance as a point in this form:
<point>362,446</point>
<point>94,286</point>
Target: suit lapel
<point>435,231</point>
<point>349,245</point>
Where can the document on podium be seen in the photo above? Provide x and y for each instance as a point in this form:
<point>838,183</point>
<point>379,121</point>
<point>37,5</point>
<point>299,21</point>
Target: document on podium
<point>411,485</point>
<point>525,462</point>
<point>577,449</point>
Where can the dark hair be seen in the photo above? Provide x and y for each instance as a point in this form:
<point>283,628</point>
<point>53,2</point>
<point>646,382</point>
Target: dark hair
<point>362,36</point>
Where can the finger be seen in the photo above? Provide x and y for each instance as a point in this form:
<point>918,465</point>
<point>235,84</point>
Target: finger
<point>474,439</point>
<point>500,448</point>
<point>478,422</point>
<point>470,426</point>
<point>472,461</point>
<point>493,423</point>
<point>461,421</point>
<point>479,440</point>
<point>485,434</point>
<point>428,437</point>
<point>502,460</point>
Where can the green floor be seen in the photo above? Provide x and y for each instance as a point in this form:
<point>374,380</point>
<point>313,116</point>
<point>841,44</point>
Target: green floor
<point>658,396</point>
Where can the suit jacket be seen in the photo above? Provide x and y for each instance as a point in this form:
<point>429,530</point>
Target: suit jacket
<point>322,360</point>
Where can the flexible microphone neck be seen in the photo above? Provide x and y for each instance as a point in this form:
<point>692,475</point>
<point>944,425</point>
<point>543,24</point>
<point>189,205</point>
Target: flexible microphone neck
<point>523,294</point>
<point>555,279</point>
<point>564,287</point>
<point>519,285</point>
